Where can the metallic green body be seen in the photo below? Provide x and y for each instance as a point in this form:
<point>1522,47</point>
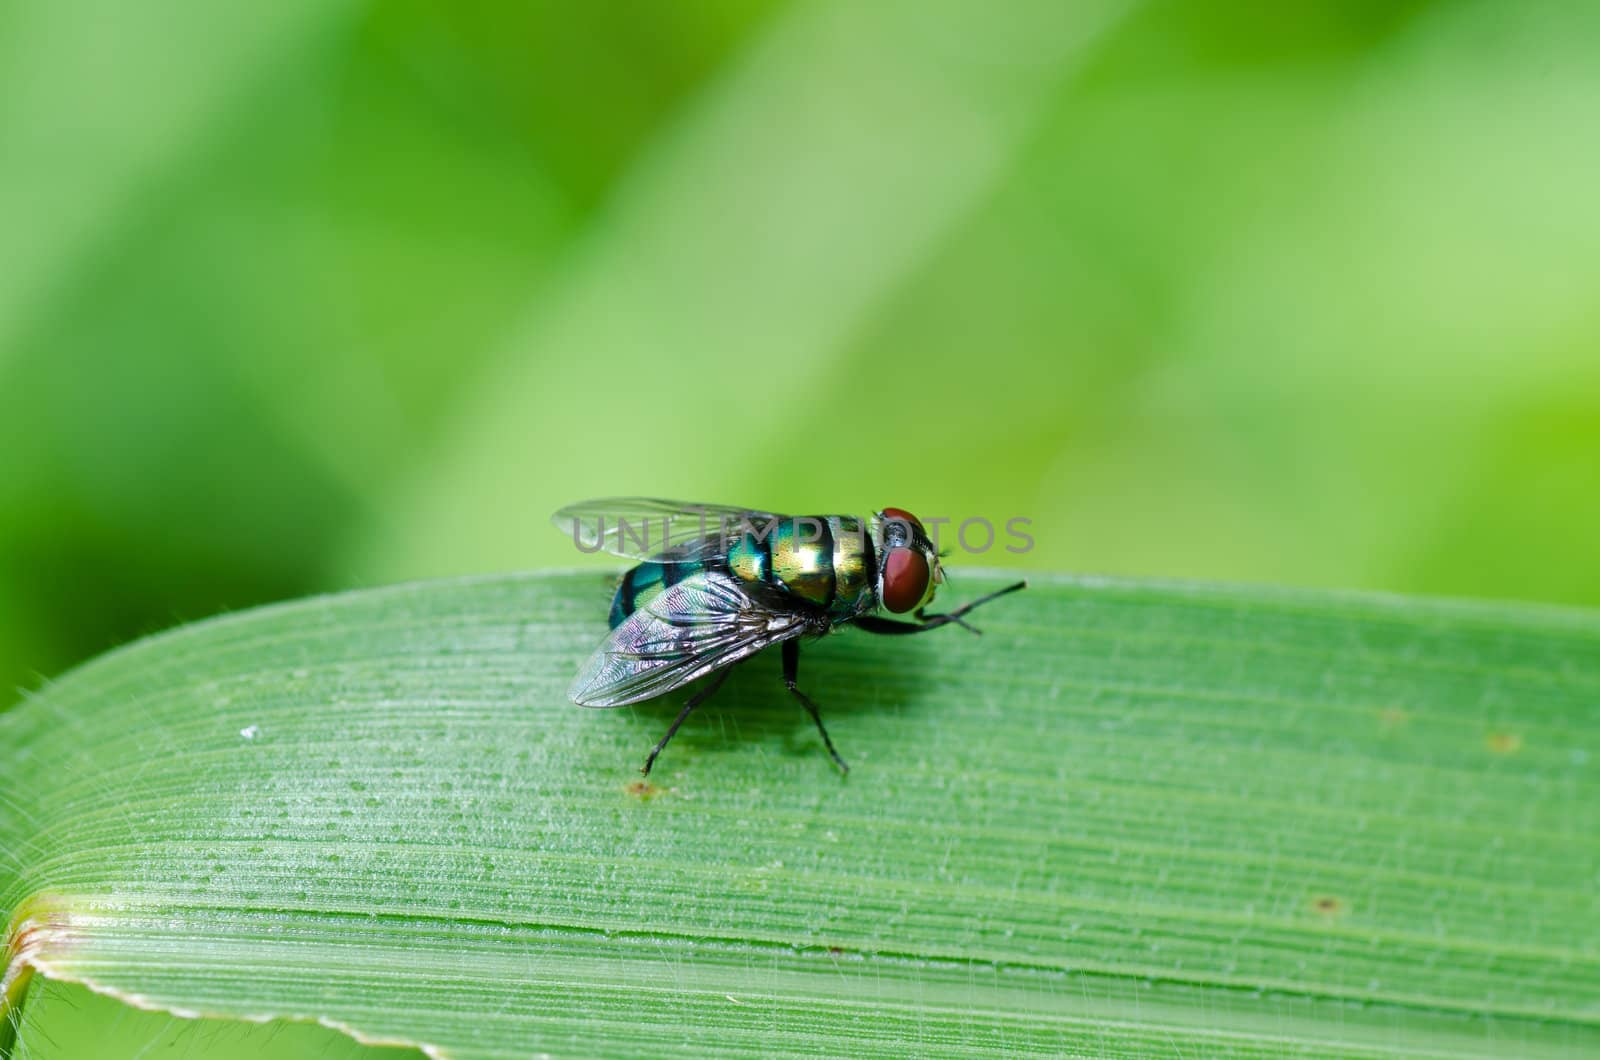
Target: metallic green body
<point>823,562</point>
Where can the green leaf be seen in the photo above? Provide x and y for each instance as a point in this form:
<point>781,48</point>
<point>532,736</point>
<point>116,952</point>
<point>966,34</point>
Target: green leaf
<point>1131,819</point>
<point>67,1021</point>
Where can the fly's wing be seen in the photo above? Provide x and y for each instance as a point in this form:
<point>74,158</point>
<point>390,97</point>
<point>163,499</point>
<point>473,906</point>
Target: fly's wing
<point>646,528</point>
<point>701,624</point>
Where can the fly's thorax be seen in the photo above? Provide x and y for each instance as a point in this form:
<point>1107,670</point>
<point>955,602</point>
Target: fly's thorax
<point>821,561</point>
<point>802,558</point>
<point>854,569</point>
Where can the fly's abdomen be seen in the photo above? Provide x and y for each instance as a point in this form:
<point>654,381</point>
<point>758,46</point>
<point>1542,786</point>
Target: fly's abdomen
<point>643,584</point>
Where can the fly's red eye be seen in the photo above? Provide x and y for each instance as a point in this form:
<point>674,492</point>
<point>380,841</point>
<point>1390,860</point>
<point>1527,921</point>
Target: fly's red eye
<point>905,579</point>
<point>905,517</point>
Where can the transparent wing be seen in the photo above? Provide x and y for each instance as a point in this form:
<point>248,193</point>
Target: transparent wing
<point>652,529</point>
<point>701,624</point>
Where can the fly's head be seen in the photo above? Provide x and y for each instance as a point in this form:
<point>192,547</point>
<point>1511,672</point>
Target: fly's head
<point>908,565</point>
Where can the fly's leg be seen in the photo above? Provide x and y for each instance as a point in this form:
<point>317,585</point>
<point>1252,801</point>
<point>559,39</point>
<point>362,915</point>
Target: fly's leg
<point>892,626</point>
<point>694,701</point>
<point>935,621</point>
<point>791,673</point>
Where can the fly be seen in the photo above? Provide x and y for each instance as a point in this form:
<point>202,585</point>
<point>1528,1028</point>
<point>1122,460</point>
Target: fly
<point>716,584</point>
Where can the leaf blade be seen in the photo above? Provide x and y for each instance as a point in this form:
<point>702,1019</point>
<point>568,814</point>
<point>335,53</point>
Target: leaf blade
<point>1131,816</point>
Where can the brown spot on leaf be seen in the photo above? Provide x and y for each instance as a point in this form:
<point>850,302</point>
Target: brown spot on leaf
<point>1503,743</point>
<point>41,926</point>
<point>1392,717</point>
<point>1327,905</point>
<point>642,789</point>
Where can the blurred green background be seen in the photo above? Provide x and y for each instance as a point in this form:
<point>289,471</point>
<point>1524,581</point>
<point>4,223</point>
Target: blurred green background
<point>308,295</point>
